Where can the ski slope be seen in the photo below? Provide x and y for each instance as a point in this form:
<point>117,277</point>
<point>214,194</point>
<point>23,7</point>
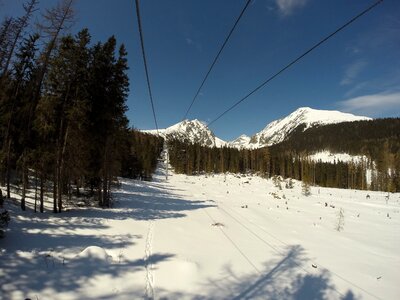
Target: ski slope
<point>207,237</point>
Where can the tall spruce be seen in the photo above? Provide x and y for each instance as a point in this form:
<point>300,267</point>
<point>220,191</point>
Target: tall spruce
<point>13,105</point>
<point>108,92</point>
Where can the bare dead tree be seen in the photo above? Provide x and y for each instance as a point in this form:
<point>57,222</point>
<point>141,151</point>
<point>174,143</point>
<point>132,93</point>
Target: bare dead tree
<point>18,27</point>
<point>5,40</point>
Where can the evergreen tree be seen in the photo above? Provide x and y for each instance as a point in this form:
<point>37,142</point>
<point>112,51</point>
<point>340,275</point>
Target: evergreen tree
<point>13,106</point>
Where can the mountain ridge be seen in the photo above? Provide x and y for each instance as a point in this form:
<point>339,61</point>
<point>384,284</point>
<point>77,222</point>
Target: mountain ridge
<point>278,130</point>
<point>196,131</point>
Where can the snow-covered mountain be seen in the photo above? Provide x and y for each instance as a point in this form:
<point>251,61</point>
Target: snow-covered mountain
<point>278,130</point>
<point>241,142</point>
<point>193,131</point>
<point>275,132</point>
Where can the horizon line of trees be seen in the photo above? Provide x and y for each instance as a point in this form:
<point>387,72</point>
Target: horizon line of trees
<point>378,141</point>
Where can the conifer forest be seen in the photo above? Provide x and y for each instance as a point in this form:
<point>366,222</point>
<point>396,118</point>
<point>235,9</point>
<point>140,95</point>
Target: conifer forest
<point>63,126</point>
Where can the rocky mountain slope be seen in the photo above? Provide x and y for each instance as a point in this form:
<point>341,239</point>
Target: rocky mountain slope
<point>195,131</point>
<point>277,131</point>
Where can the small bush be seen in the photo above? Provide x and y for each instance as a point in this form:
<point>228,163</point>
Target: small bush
<point>305,189</point>
<point>289,184</point>
<point>4,220</point>
<point>340,221</point>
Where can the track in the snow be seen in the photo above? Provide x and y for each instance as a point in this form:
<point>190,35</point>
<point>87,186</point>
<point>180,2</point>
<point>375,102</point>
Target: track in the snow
<point>149,291</point>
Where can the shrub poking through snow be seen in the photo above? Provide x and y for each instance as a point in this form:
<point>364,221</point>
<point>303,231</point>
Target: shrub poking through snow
<point>277,181</point>
<point>305,189</point>
<point>340,220</point>
<point>218,224</point>
<point>289,183</point>
<point>4,220</point>
<point>275,195</point>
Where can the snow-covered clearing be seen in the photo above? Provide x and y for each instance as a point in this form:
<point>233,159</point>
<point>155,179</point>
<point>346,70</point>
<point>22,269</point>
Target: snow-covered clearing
<point>328,157</point>
<point>216,237</point>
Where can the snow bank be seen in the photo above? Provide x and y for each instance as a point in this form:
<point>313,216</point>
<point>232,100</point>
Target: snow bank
<point>94,252</point>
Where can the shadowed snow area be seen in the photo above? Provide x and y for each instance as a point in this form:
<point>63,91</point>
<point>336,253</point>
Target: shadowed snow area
<point>207,237</point>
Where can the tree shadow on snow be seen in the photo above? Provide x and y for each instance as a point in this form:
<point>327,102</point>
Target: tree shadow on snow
<point>30,231</point>
<point>48,275</point>
<point>35,241</point>
<point>151,201</point>
<point>283,277</point>
<point>287,277</point>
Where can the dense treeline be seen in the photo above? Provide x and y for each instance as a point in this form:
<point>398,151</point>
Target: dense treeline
<point>194,159</point>
<point>360,137</point>
<point>378,140</point>
<point>290,158</point>
<point>62,110</point>
<point>142,158</point>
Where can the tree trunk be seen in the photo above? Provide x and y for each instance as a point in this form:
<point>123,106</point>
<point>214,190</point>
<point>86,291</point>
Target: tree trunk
<point>99,196</point>
<point>36,189</point>
<point>105,192</point>
<point>78,193</point>
<point>61,166</point>
<point>24,185</point>
<point>55,191</point>
<point>69,191</point>
<point>8,168</point>
<point>41,193</point>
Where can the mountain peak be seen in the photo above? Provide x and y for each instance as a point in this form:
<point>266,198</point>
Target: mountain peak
<point>192,131</point>
<point>304,109</point>
<point>240,142</point>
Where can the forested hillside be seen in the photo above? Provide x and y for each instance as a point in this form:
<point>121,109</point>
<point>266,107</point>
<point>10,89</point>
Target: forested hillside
<point>377,140</point>
<point>372,138</point>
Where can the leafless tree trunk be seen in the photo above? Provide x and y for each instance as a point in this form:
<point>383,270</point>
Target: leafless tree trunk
<point>36,189</point>
<point>8,171</point>
<point>24,182</point>
<point>5,39</point>
<point>41,193</point>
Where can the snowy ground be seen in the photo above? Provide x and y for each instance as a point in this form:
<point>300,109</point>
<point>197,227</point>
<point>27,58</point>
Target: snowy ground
<point>328,157</point>
<point>218,237</point>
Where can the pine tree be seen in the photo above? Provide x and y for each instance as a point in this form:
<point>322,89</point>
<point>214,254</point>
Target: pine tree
<point>13,103</point>
<point>66,92</point>
<point>108,90</point>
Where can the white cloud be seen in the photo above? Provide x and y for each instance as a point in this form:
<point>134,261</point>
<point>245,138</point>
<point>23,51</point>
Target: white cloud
<point>352,71</point>
<point>287,7</point>
<point>192,43</point>
<point>390,81</point>
<point>189,41</point>
<point>373,105</point>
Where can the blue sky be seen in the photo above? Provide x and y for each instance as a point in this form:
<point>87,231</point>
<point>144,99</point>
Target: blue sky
<point>357,71</point>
